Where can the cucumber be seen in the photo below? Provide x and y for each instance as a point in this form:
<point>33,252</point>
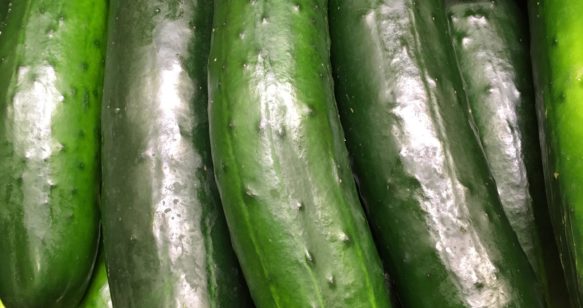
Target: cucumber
<point>4,5</point>
<point>281,165</point>
<point>165,237</point>
<point>491,44</point>
<point>422,174</point>
<point>98,295</point>
<point>51,75</point>
<point>557,52</point>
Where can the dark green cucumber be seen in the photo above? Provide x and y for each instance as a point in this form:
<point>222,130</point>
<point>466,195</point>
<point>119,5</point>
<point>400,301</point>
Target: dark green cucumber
<point>422,174</point>
<point>491,44</point>
<point>165,237</point>
<point>51,57</point>
<point>557,57</point>
<point>4,6</point>
<point>281,163</point>
<point>98,295</point>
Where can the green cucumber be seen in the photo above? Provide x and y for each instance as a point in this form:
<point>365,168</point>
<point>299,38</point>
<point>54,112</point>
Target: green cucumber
<point>557,57</point>
<point>491,44</point>
<point>422,174</point>
<point>165,237</point>
<point>98,295</point>
<point>51,74</point>
<point>280,161</point>
<point>4,6</point>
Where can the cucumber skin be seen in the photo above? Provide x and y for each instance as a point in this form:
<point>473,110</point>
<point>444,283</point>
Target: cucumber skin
<point>98,295</point>
<point>51,56</point>
<point>413,150</point>
<point>556,49</point>
<point>165,238</point>
<point>281,167</point>
<point>492,48</point>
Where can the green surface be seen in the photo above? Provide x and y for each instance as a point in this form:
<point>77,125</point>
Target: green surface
<point>165,237</point>
<point>422,175</point>
<point>98,295</point>
<point>281,164</point>
<point>557,51</point>
<point>51,56</point>
<point>491,44</point>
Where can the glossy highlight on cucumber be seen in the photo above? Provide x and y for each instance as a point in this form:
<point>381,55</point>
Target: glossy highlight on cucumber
<point>280,161</point>
<point>165,237</point>
<point>51,74</point>
<point>492,50</point>
<point>422,175</point>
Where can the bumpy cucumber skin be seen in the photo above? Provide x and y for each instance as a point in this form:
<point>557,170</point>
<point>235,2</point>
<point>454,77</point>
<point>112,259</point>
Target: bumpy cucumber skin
<point>165,237</point>
<point>492,51</point>
<point>281,164</point>
<point>51,64</point>
<point>422,175</point>
<point>98,295</point>
<point>557,52</point>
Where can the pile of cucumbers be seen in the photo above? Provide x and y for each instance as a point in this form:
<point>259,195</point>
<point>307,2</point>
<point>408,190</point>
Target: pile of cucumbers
<point>291,153</point>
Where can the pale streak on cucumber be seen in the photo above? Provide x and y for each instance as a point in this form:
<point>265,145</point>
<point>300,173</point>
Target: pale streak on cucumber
<point>513,190</point>
<point>34,106</point>
<point>174,185</point>
<point>416,128</point>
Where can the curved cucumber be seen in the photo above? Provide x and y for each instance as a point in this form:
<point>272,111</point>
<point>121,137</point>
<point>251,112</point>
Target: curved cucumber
<point>557,51</point>
<point>421,172</point>
<point>281,164</point>
<point>98,295</point>
<point>51,56</point>
<point>165,237</point>
<point>491,44</point>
